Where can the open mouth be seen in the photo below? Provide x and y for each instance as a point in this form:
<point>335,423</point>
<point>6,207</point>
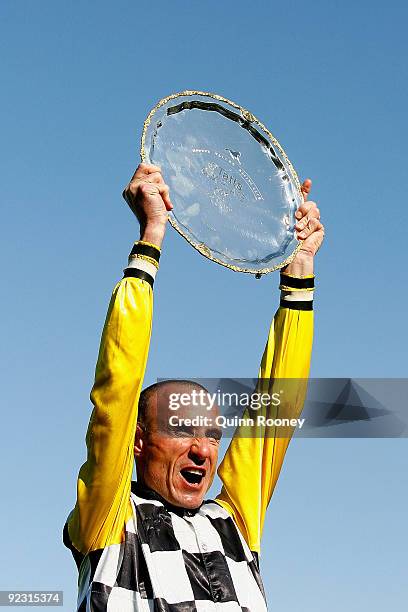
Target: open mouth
<point>193,476</point>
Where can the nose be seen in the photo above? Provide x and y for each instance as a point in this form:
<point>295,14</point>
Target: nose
<point>199,450</point>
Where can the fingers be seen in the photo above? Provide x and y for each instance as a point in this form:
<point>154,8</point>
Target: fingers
<point>154,177</point>
<point>146,188</point>
<point>147,181</point>
<point>305,188</point>
<point>308,225</point>
<point>165,194</point>
<point>306,211</point>
<point>144,170</point>
<point>313,225</point>
<point>312,244</point>
<point>305,207</point>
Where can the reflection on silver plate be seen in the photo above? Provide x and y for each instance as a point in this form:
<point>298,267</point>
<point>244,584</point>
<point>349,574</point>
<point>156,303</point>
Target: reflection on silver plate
<point>234,190</point>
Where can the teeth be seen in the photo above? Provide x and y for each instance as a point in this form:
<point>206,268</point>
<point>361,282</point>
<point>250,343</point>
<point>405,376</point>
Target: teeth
<point>193,471</point>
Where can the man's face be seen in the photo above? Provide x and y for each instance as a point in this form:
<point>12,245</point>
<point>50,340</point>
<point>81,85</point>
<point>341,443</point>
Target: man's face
<point>175,459</point>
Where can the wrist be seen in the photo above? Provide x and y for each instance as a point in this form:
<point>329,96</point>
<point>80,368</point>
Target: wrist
<point>153,233</point>
<point>302,265</point>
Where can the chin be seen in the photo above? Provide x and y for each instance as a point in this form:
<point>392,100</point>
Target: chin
<point>192,502</point>
<point>189,495</point>
<point>184,499</point>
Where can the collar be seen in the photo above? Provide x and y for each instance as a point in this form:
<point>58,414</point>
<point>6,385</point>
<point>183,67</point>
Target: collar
<point>145,492</point>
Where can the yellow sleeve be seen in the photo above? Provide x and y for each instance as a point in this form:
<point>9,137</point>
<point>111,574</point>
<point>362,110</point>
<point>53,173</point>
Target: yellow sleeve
<point>103,487</point>
<point>251,466</point>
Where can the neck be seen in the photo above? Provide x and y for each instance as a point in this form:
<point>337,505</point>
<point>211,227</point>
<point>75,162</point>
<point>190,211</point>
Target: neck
<point>142,490</point>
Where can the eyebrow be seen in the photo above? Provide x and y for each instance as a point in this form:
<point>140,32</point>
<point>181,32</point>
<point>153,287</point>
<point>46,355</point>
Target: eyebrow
<point>213,433</point>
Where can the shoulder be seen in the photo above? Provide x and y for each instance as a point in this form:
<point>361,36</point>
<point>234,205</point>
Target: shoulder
<point>214,510</point>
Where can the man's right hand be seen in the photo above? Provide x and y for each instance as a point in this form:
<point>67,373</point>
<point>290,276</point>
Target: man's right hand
<point>148,197</point>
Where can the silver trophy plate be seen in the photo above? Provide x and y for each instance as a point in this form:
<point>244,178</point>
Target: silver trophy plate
<point>234,191</point>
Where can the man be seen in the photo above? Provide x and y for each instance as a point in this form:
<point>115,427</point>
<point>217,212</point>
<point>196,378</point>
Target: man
<point>154,544</point>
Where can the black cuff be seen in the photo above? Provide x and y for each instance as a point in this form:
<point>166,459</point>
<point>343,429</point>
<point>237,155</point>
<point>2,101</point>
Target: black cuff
<point>146,249</point>
<point>135,273</point>
<point>296,283</point>
<point>297,305</point>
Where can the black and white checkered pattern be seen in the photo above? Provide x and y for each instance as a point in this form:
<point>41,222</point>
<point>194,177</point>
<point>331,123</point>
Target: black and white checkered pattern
<point>175,560</point>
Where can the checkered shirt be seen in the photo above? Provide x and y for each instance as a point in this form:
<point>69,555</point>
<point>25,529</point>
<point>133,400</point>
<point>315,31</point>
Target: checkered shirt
<point>171,560</point>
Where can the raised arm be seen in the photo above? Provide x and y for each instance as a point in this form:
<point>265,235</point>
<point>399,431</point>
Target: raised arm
<point>251,466</point>
<point>103,485</point>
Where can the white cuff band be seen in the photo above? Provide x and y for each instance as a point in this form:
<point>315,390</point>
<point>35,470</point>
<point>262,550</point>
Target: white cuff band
<point>142,264</point>
<point>297,296</point>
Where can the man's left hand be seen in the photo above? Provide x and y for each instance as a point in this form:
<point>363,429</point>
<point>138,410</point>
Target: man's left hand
<point>310,230</point>
<point>309,227</point>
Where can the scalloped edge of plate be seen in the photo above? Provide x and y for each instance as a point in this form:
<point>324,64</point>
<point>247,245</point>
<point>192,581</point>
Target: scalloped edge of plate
<point>202,248</point>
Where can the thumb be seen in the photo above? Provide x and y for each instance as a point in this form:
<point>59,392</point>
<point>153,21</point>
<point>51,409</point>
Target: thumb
<point>306,188</point>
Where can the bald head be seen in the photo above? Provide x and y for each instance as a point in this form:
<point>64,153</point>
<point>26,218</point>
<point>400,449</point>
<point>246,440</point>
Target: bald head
<point>154,401</point>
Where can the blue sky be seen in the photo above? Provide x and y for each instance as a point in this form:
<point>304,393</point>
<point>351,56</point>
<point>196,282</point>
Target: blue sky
<point>329,79</point>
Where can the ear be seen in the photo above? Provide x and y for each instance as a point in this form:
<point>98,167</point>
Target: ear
<point>139,442</point>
